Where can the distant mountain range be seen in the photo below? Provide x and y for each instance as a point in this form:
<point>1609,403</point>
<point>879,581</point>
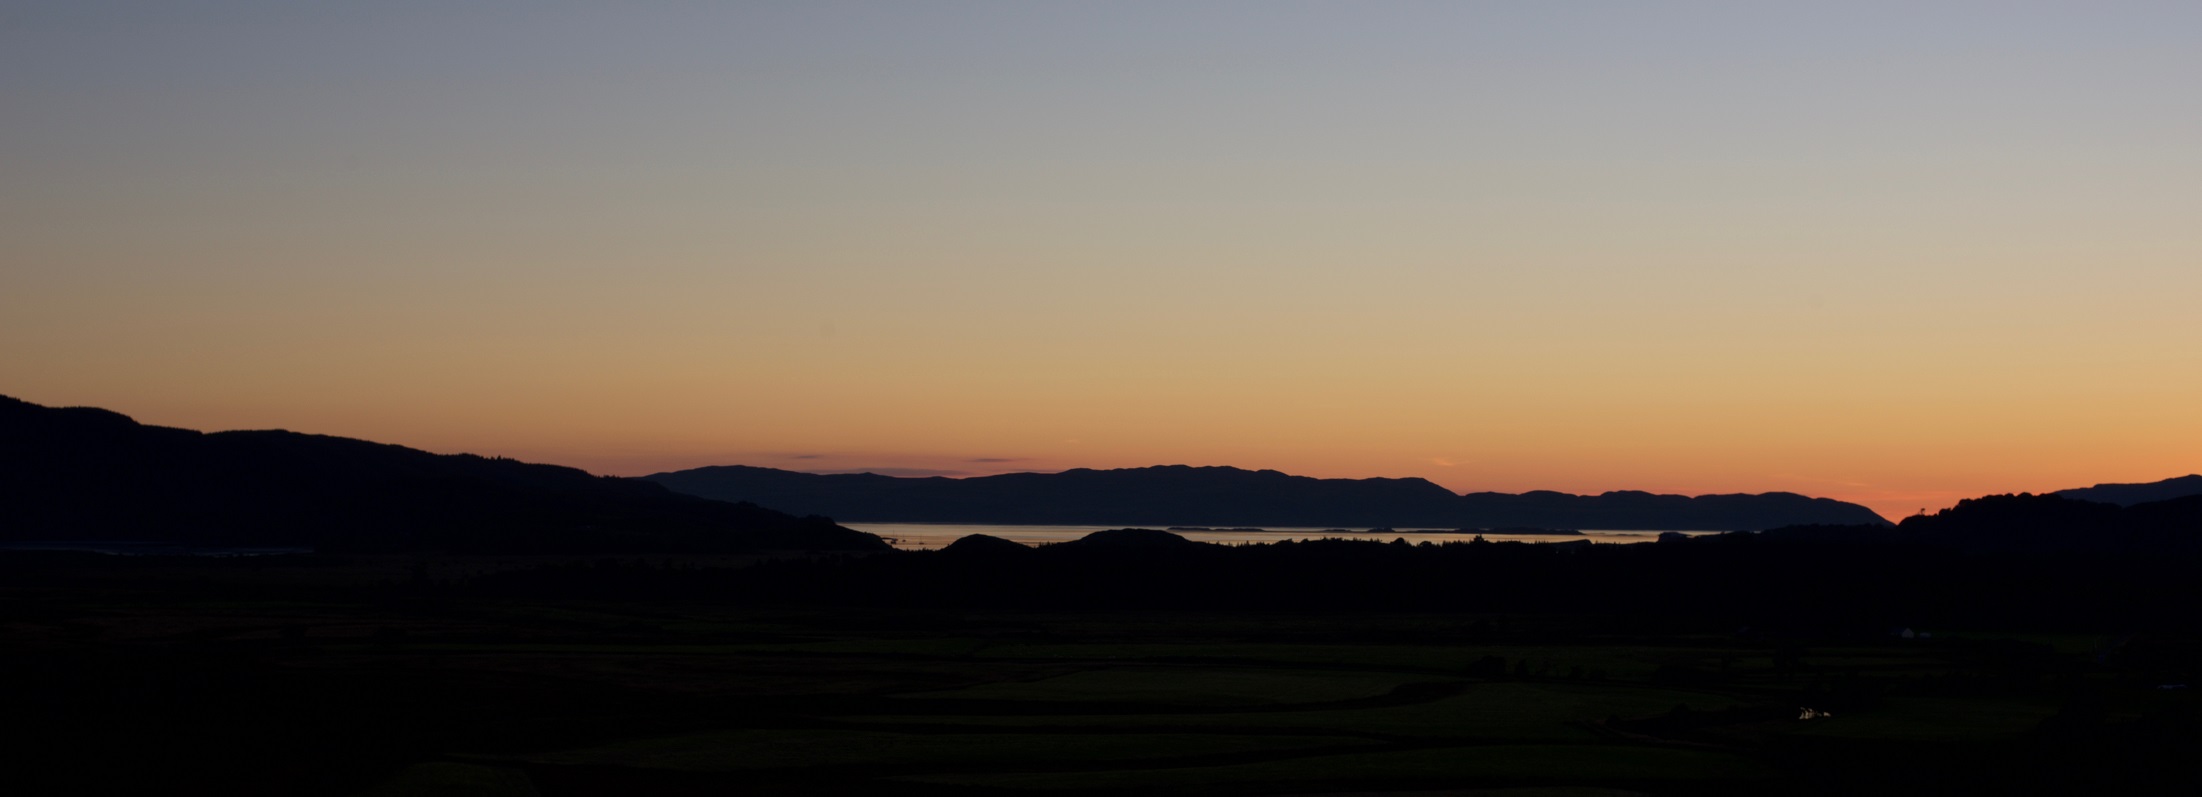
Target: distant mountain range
<point>2130,494</point>
<point>1223,496</point>
<point>81,474</point>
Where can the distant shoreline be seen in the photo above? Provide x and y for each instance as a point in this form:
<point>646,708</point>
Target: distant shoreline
<point>927,536</point>
<point>1379,530</point>
<point>1228,499</point>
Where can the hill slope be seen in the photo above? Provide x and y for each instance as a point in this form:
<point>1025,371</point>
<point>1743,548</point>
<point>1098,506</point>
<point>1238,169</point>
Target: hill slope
<point>1181,495</point>
<point>2130,494</point>
<point>89,474</point>
<point>2048,523</point>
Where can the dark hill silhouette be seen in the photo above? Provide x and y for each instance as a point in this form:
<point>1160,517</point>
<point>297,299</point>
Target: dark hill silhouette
<point>89,474</point>
<point>1750,581</point>
<point>1818,533</point>
<point>2130,494</point>
<point>2044,523</point>
<point>1130,540</point>
<point>986,546</point>
<point>1222,496</point>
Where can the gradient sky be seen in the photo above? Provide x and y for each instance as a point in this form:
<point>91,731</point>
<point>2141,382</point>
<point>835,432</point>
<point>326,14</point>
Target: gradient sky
<point>1897,253</point>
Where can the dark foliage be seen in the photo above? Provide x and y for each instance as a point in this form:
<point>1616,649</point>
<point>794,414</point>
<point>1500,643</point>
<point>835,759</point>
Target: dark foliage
<point>2051,523</point>
<point>1864,585</point>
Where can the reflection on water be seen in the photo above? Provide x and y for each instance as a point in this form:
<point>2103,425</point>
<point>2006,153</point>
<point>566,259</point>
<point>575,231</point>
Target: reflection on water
<point>930,536</point>
<point>925,536</point>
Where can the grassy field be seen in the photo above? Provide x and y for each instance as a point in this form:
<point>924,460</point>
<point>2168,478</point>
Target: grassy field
<point>1187,686</point>
<point>381,688</point>
<point>795,748</point>
<point>1487,764</point>
<point>1463,712</point>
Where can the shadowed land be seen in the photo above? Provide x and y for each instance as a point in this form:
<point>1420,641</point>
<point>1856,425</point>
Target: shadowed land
<point>546,632</point>
<point>1101,668</point>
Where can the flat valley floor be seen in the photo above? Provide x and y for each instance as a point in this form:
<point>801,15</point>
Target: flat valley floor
<point>392,676</point>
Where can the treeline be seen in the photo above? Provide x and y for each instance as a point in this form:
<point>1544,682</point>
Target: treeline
<point>1742,580</point>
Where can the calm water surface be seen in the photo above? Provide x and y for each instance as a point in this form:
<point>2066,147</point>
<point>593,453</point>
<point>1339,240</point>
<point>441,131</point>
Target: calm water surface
<point>931,536</point>
<point>925,536</point>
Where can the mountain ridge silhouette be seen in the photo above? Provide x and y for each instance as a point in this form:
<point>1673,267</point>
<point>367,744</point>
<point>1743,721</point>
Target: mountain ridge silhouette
<point>84,473</point>
<point>2138,493</point>
<point>1229,496</point>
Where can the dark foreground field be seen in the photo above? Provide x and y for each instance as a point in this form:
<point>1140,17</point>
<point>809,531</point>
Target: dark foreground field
<point>407,676</point>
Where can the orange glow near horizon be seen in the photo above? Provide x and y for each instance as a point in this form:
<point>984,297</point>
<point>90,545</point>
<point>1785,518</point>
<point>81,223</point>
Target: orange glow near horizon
<point>1890,254</point>
<point>1512,456</point>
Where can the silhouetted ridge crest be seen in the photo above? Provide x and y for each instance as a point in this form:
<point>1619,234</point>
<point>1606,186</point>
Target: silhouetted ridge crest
<point>1131,540</point>
<point>2131,494</point>
<point>1182,495</point>
<point>986,546</point>
<point>2026,522</point>
<point>91,474</point>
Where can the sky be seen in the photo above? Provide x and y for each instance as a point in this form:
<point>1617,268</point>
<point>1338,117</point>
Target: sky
<point>1894,253</point>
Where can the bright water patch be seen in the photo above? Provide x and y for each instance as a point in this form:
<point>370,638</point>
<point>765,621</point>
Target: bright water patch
<point>928,536</point>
